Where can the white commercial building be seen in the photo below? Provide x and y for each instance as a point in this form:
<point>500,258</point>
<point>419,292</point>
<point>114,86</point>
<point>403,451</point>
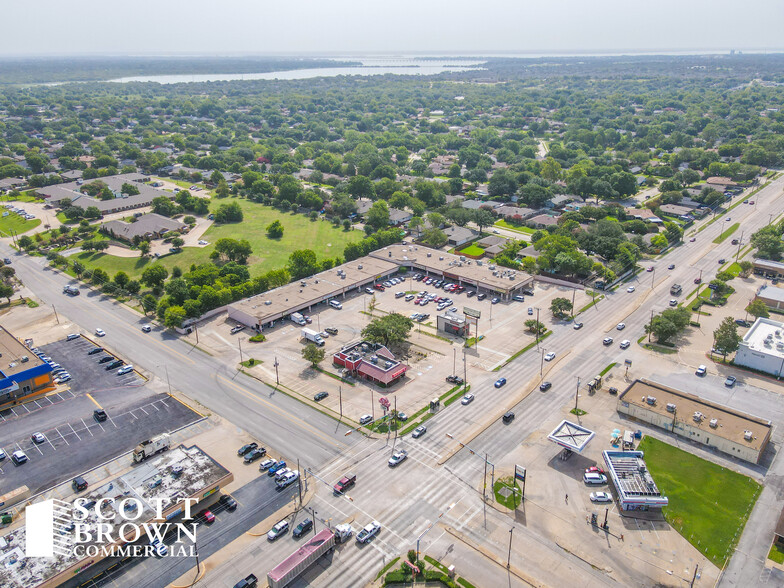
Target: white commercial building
<point>762,347</point>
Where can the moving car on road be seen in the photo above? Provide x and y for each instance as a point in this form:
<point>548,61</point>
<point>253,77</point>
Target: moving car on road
<point>278,530</point>
<point>545,386</point>
<point>467,399</point>
<point>419,431</point>
<point>500,382</point>
<point>368,532</point>
<point>549,357</point>
<point>730,381</point>
<point>398,457</point>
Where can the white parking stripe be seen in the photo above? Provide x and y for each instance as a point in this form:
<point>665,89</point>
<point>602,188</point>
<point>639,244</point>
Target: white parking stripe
<point>61,436</point>
<point>13,411</point>
<point>88,428</point>
<point>52,444</point>
<point>74,431</point>
<point>27,409</point>
<point>155,407</point>
<point>144,411</point>
<point>36,403</point>
<point>36,448</point>
<point>111,420</point>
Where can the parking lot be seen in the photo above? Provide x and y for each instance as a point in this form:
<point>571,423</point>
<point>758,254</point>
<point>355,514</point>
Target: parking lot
<point>74,440</point>
<point>432,356</point>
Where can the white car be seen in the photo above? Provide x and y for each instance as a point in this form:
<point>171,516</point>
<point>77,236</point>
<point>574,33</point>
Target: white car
<point>630,289</point>
<point>467,399</point>
<point>203,242</point>
<point>38,438</point>
<point>702,370</point>
<point>625,344</point>
<point>397,457</point>
<point>100,332</point>
<point>124,370</point>
<point>601,497</point>
<point>620,326</point>
<point>367,533</point>
<point>607,341</point>
<point>365,419</point>
<point>549,357</point>
<point>673,302</point>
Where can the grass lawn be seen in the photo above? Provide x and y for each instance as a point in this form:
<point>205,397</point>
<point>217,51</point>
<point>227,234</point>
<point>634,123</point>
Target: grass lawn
<point>299,233</point>
<point>734,269</point>
<point>726,233</point>
<point>472,250</point>
<point>511,227</point>
<point>776,554</point>
<point>15,223</point>
<point>513,500</point>
<point>22,197</point>
<point>709,504</point>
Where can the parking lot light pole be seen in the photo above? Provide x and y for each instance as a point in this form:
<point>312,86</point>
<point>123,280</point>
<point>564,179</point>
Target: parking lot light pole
<point>509,557</point>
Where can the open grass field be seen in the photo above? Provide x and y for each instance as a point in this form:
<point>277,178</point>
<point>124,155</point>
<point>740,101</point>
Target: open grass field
<point>13,223</point>
<point>22,197</point>
<point>472,250</point>
<point>511,227</point>
<point>299,232</point>
<point>709,504</point>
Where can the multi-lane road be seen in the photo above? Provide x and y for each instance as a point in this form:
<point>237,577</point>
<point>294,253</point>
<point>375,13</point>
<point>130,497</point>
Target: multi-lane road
<point>299,431</point>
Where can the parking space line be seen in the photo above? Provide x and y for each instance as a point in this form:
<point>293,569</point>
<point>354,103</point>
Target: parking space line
<point>74,431</point>
<point>27,409</point>
<point>36,448</point>
<point>52,444</point>
<point>36,403</point>
<point>132,416</point>
<point>88,428</point>
<point>61,435</point>
<point>141,408</point>
<point>13,411</point>
<point>155,407</point>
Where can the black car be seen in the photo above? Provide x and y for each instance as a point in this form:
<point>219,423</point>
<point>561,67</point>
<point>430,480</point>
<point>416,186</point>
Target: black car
<point>305,526</point>
<point>320,396</point>
<point>7,260</point>
<point>105,359</point>
<point>742,323</point>
<point>508,417</point>
<point>255,454</point>
<point>228,502</point>
<point>100,415</point>
<point>114,364</point>
<point>246,448</point>
<point>95,350</point>
<point>481,296</point>
<point>528,292</point>
<point>545,386</point>
<point>470,294</point>
<point>721,261</point>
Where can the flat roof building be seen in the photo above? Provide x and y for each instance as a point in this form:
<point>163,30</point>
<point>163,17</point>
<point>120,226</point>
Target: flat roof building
<point>501,281</point>
<point>771,296</point>
<point>632,480</point>
<point>762,347</point>
<point>768,268</point>
<point>262,310</point>
<point>689,416</point>
<point>199,477</point>
<point>23,374</point>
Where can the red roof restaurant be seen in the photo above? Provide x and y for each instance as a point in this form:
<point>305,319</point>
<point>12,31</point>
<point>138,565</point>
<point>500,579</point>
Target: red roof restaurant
<point>371,361</point>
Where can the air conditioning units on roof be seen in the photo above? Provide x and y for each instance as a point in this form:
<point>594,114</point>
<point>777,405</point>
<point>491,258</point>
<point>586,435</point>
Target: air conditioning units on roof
<point>748,435</point>
<point>651,400</point>
<point>698,416</point>
<point>714,423</point>
<point>670,407</point>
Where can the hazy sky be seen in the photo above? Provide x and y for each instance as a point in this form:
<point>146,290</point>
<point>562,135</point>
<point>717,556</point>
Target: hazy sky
<point>213,27</point>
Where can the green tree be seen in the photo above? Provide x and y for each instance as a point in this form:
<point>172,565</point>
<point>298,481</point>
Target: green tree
<point>275,230</point>
<point>222,191</point>
<point>746,267</point>
<point>757,308</point>
<point>78,268</point>
<point>121,279</point>
<point>532,326</point>
<point>768,243</point>
<point>144,248</point>
<point>560,307</point>
<point>390,329</point>
<point>129,189</point>
<point>233,249</point>
<point>551,170</point>
<point>6,291</point>
<point>154,275</point>
<point>668,324</point>
<point>302,263</point>
<point>434,237</point>
<point>378,215</point>
<point>26,243</point>
<point>313,353</point>
<point>174,316</point>
<point>483,218</point>
<point>229,213</point>
<point>726,337</point>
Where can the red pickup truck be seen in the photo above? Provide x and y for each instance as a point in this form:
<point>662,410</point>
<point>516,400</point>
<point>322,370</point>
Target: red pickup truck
<point>345,483</point>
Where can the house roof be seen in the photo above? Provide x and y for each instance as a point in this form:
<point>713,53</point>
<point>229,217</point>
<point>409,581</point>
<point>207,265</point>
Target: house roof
<point>490,241</point>
<point>456,233</point>
<point>720,180</point>
<point>399,216</point>
<point>146,224</point>
<point>71,190</point>
<point>544,219</point>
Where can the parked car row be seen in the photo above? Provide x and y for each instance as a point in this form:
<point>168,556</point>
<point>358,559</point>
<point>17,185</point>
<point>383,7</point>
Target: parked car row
<point>20,211</point>
<point>59,374</point>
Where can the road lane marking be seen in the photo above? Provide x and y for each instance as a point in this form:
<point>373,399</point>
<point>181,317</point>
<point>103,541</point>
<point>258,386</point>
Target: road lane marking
<point>94,401</point>
<point>294,420</point>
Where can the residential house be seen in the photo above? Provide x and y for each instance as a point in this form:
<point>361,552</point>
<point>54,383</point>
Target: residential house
<point>720,182</point>
<point>457,236</point>
<point>399,217</point>
<point>147,226</point>
<point>676,210</point>
<point>643,214</point>
<point>542,221</point>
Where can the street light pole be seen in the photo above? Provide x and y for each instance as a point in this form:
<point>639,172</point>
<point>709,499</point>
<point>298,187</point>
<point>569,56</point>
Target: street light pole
<point>576,394</point>
<point>168,381</point>
<point>541,365</point>
<point>448,508</point>
<point>239,342</point>
<point>509,557</point>
<point>277,378</point>
<point>537,327</point>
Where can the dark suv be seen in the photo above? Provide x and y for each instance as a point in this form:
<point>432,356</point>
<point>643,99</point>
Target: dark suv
<point>508,417</point>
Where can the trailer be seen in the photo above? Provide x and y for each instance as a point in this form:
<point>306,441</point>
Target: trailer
<point>299,561</point>
<point>150,447</point>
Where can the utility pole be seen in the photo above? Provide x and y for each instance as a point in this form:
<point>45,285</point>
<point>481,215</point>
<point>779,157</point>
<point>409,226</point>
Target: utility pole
<point>395,419</point>
<point>299,484</point>
<point>650,327</point>
<point>55,314</point>
<point>653,277</point>
<point>484,488</point>
<point>537,327</point>
<point>694,577</point>
<point>239,342</point>
<point>372,406</point>
<point>277,378</point>
<point>465,372</point>
<point>740,242</point>
<point>574,291</point>
<point>509,557</point>
<point>168,381</point>
<point>577,394</point>
<point>541,364</point>
<point>196,328</point>
<point>340,396</point>
<point>454,360</point>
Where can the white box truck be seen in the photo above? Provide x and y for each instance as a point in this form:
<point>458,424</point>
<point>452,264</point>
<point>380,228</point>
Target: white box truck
<point>299,561</point>
<point>313,337</point>
<point>298,318</point>
<point>150,447</point>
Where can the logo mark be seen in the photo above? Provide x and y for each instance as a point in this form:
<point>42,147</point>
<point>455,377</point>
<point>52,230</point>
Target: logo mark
<point>46,529</point>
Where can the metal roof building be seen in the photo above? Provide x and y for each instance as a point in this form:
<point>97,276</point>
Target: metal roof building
<point>634,483</point>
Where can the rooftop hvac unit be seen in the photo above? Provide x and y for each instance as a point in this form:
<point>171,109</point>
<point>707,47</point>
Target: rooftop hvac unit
<point>462,258</point>
<point>303,283</point>
<point>748,435</point>
<point>512,278</point>
<point>698,416</point>
<point>267,302</point>
<point>651,400</point>
<point>359,266</point>
<point>479,262</point>
<point>670,407</point>
<point>441,258</point>
<point>365,347</point>
<point>495,274</point>
<point>390,254</point>
<point>491,266</point>
<point>649,480</point>
<point>769,337</point>
<point>714,423</point>
<point>429,254</point>
<point>374,359</point>
<point>388,364</point>
<point>342,276</point>
<point>778,333</point>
